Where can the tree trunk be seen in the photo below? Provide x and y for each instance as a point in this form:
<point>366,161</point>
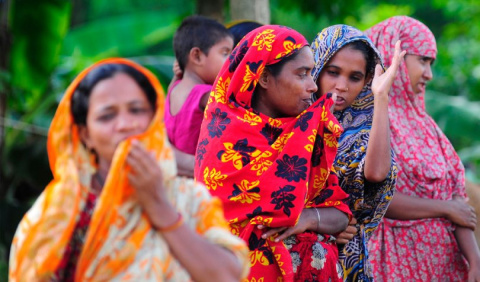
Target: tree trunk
<point>5,43</point>
<point>211,8</point>
<point>255,10</point>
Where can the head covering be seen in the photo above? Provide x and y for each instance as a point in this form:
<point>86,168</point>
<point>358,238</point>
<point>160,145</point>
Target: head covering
<point>428,168</point>
<point>368,201</point>
<point>266,170</point>
<point>120,241</point>
<point>428,164</point>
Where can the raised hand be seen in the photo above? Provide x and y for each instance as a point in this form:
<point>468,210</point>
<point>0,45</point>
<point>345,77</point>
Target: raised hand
<point>146,178</point>
<point>382,81</point>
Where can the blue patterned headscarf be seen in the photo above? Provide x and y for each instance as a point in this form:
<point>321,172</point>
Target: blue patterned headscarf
<point>368,201</point>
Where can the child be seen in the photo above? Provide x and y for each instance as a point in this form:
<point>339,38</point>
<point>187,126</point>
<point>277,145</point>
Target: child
<point>201,47</point>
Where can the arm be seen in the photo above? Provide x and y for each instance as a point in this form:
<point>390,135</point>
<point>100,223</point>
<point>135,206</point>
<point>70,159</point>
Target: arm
<point>185,163</point>
<point>378,158</point>
<point>203,260</point>
<point>406,207</point>
<point>332,221</point>
<point>469,248</point>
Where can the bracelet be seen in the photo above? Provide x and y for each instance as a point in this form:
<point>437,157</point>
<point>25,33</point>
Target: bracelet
<point>318,215</point>
<point>174,225</point>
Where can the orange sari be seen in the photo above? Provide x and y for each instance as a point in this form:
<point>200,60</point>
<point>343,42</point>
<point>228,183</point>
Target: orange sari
<point>120,243</point>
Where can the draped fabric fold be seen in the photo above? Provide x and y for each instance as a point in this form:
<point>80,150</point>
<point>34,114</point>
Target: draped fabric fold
<point>265,170</point>
<point>368,201</point>
<point>120,242</point>
<point>428,167</point>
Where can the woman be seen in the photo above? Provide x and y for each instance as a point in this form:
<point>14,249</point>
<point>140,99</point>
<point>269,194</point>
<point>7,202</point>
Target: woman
<point>115,209</point>
<point>267,152</point>
<point>428,224</point>
<point>345,64</point>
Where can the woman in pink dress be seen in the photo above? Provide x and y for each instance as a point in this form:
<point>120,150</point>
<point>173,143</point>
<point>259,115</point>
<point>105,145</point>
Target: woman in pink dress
<point>427,232</point>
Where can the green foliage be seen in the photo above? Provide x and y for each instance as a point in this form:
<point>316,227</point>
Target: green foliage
<point>38,28</point>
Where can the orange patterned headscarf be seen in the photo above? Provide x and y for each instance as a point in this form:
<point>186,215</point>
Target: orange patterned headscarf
<point>120,242</point>
<point>265,170</point>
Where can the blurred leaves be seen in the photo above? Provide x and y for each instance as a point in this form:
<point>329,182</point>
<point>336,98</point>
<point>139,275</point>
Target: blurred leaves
<point>38,29</point>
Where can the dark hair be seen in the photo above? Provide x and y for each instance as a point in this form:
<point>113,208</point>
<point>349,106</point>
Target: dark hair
<point>197,31</point>
<point>240,29</point>
<point>368,54</point>
<point>81,96</point>
<point>276,68</point>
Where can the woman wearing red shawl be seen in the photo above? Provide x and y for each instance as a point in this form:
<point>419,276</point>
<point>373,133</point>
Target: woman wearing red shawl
<point>115,209</point>
<point>428,225</point>
<point>267,152</point>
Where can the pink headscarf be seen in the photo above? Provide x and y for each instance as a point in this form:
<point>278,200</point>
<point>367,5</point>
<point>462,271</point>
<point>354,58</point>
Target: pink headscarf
<point>428,164</point>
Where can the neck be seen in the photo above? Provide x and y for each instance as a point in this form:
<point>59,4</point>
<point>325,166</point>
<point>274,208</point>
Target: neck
<point>98,180</point>
<point>191,76</point>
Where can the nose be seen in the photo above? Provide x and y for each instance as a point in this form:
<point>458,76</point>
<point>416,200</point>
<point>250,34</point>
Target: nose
<point>428,74</point>
<point>312,86</point>
<point>341,85</point>
<point>126,123</point>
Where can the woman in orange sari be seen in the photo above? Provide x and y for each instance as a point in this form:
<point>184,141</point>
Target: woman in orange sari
<point>267,151</point>
<point>115,209</point>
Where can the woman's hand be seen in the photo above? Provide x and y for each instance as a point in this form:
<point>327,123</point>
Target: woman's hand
<point>146,178</point>
<point>304,223</point>
<point>382,82</point>
<point>461,213</point>
<point>348,234</point>
<point>474,273</point>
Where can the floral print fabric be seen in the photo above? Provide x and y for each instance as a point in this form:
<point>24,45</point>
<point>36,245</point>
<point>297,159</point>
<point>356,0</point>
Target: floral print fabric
<point>428,168</point>
<point>368,201</point>
<point>265,170</point>
<point>120,243</point>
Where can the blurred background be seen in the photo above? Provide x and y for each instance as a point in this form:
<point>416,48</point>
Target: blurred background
<point>44,44</point>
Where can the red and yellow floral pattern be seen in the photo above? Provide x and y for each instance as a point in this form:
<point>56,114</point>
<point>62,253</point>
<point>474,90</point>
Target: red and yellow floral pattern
<point>258,166</point>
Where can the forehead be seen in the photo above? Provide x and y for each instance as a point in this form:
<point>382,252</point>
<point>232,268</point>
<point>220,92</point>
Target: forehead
<point>117,88</point>
<point>304,58</point>
<point>349,57</point>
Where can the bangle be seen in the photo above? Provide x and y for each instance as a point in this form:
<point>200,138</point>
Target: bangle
<point>174,225</point>
<point>318,216</point>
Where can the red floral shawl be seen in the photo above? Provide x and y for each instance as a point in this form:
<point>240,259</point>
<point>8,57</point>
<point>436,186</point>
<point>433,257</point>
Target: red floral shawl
<point>428,164</point>
<point>265,170</point>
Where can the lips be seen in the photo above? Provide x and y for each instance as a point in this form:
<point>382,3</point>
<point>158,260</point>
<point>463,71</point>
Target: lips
<point>308,102</point>
<point>339,101</point>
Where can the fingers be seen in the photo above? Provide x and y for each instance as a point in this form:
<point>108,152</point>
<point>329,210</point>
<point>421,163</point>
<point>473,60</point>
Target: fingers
<point>353,221</point>
<point>334,98</point>
<point>285,234</point>
<point>398,55</point>
<point>272,232</point>
<point>378,70</point>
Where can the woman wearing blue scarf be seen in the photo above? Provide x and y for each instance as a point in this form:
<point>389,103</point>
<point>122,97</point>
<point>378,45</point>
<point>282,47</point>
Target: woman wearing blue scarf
<point>346,61</point>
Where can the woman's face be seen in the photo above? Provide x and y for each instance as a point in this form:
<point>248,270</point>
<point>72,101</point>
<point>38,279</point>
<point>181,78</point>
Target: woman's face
<point>290,92</point>
<point>118,108</point>
<point>419,71</point>
<point>345,74</point>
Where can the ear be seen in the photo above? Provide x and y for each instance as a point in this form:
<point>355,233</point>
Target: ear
<point>85,136</point>
<point>265,77</point>
<point>196,56</point>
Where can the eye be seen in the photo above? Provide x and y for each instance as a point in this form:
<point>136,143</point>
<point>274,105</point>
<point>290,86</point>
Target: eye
<point>355,78</point>
<point>106,117</point>
<point>303,74</point>
<point>332,72</point>
<point>139,110</point>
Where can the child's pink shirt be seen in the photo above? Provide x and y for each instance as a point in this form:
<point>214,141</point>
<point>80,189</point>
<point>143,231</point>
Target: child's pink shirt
<point>183,128</point>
